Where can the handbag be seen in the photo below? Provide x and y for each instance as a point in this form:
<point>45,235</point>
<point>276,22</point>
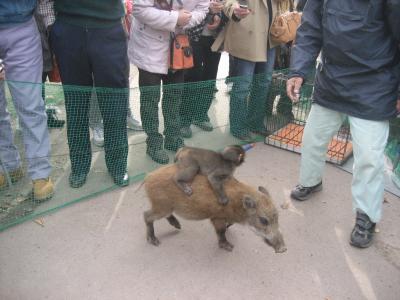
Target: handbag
<point>284,27</point>
<point>181,53</point>
<point>54,74</point>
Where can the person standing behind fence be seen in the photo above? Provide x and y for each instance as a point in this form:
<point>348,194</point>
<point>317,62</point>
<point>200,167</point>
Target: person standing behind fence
<point>21,51</point>
<point>52,119</point>
<point>248,41</point>
<point>95,119</point>
<point>197,97</point>
<point>90,46</point>
<point>153,22</point>
<point>358,77</point>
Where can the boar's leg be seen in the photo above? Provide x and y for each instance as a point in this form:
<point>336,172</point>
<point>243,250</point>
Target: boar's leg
<point>220,229</point>
<point>149,217</point>
<point>174,221</point>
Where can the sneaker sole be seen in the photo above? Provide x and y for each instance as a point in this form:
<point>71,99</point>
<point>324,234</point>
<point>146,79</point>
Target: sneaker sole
<point>48,197</point>
<point>318,189</point>
<point>360,246</point>
<point>135,129</point>
<point>158,161</point>
<point>161,162</point>
<point>204,128</point>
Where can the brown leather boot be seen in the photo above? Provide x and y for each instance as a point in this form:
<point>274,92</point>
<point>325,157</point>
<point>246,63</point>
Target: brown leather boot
<point>43,189</point>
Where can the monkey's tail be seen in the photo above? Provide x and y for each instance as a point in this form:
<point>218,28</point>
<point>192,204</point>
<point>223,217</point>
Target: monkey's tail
<point>177,154</point>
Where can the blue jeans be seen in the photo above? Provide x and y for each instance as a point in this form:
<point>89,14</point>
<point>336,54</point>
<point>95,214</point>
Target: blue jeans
<point>247,112</point>
<point>21,50</point>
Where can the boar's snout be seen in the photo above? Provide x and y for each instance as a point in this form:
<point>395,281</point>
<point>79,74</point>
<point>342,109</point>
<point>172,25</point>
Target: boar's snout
<point>281,249</point>
<point>277,243</point>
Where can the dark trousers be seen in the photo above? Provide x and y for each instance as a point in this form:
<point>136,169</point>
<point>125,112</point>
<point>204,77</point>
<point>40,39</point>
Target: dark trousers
<point>200,82</point>
<point>149,85</point>
<point>86,58</point>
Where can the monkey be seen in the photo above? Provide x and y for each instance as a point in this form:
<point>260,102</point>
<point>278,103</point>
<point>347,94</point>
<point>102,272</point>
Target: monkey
<point>217,166</point>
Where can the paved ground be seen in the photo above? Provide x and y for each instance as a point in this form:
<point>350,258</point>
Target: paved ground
<point>97,249</point>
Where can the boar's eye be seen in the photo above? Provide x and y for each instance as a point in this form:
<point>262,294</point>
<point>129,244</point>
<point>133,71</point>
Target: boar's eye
<point>263,221</point>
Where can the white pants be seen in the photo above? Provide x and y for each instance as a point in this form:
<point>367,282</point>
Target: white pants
<point>369,140</point>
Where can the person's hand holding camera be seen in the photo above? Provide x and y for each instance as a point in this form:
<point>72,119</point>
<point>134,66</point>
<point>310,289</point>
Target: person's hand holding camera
<point>216,6</point>
<point>184,17</point>
<point>215,23</point>
<point>240,11</point>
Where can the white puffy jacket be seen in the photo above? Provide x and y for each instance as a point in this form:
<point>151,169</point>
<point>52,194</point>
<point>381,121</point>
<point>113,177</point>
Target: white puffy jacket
<point>151,28</point>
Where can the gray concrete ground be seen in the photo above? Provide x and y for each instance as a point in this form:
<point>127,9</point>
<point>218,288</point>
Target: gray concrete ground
<point>97,249</point>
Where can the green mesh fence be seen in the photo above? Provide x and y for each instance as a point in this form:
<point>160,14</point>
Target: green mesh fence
<point>233,107</point>
<point>286,121</point>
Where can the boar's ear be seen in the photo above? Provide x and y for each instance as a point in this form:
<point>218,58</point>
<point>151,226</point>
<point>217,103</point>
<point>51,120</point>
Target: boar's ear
<point>264,191</point>
<point>249,203</point>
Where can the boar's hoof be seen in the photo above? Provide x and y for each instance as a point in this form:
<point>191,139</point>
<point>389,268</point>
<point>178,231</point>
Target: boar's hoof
<point>153,240</point>
<point>282,249</point>
<point>226,246</point>
<point>174,222</point>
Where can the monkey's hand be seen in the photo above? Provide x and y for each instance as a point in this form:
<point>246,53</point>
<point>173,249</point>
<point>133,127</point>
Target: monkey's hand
<point>187,190</point>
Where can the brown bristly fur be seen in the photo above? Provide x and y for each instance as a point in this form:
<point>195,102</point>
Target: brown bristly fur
<point>166,198</point>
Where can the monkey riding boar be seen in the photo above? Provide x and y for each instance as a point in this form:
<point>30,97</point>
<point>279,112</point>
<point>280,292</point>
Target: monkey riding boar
<point>246,206</point>
<point>217,166</point>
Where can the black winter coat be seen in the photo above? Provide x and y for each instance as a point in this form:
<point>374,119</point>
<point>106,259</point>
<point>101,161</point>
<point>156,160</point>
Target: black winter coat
<point>358,40</point>
<point>300,5</point>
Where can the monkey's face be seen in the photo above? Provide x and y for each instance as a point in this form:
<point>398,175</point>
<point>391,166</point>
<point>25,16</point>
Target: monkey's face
<point>241,157</point>
<point>235,154</point>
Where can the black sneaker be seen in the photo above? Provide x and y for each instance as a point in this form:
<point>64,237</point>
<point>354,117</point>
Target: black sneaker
<point>186,132</point>
<point>263,132</point>
<point>204,125</point>
<point>52,120</point>
<point>247,137</point>
<point>173,144</point>
<point>158,155</point>
<point>302,193</point>
<point>77,180</point>
<point>121,180</point>
<point>363,231</point>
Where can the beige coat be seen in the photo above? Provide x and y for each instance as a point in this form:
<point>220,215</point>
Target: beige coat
<point>248,38</point>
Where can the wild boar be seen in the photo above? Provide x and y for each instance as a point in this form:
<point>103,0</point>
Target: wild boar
<point>246,206</point>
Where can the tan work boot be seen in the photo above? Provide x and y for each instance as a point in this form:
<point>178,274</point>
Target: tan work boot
<point>15,175</point>
<point>43,189</point>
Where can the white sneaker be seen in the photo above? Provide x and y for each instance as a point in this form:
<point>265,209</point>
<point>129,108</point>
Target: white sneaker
<point>98,136</point>
<point>133,124</point>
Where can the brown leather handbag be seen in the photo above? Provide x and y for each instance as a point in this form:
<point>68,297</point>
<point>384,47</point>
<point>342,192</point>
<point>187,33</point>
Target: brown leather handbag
<point>181,53</point>
<point>284,27</point>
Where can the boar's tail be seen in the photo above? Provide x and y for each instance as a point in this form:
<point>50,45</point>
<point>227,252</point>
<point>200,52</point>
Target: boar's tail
<point>140,186</point>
